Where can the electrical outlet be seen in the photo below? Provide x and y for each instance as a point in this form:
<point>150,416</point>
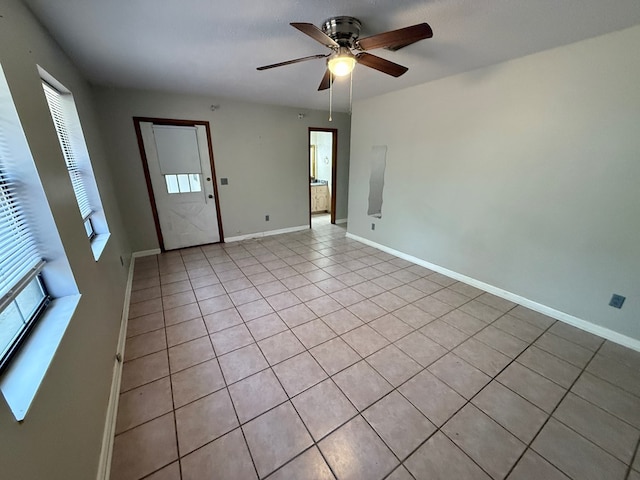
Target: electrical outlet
<point>616,300</point>
<point>373,226</point>
<point>266,218</point>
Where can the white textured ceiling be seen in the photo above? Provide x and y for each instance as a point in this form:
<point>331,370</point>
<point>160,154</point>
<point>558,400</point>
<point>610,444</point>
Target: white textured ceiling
<point>213,47</point>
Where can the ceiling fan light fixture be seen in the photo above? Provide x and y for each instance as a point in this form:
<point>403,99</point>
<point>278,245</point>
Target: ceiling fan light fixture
<point>342,63</point>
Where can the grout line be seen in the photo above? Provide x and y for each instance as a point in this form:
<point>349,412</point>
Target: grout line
<point>240,424</point>
<point>173,412</point>
<point>634,457</point>
<point>469,401</point>
<point>568,390</point>
<point>235,411</point>
<point>289,398</point>
<point>342,252</point>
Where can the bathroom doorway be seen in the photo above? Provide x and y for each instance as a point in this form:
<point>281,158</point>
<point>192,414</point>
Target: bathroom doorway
<point>323,152</point>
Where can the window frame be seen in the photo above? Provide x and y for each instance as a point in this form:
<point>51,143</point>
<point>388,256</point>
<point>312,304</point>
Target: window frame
<point>20,257</point>
<point>178,188</point>
<point>24,370</point>
<point>73,146</point>
<point>33,317</point>
<point>56,101</point>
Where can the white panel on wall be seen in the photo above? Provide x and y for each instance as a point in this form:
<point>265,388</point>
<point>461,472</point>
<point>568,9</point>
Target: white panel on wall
<point>376,180</point>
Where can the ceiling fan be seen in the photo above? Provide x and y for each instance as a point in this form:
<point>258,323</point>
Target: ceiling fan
<point>340,34</point>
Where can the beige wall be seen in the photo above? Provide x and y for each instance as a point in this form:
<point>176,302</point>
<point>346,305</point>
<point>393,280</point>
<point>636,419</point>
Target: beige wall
<point>524,175</point>
<point>62,433</point>
<point>261,149</point>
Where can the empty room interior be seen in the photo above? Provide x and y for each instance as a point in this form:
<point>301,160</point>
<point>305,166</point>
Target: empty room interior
<point>319,240</point>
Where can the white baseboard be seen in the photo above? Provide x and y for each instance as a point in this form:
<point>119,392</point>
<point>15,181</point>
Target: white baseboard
<point>146,253</point>
<point>585,325</point>
<point>104,466</point>
<point>265,234</point>
<point>342,220</point>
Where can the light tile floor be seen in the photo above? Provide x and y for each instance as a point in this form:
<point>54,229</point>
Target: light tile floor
<point>313,356</point>
<point>320,220</point>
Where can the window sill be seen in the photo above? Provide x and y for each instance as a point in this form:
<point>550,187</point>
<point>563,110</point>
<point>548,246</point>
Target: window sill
<point>98,243</point>
<point>22,379</point>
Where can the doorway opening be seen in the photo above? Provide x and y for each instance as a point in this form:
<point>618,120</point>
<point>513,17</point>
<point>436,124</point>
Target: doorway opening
<point>177,159</point>
<point>323,153</point>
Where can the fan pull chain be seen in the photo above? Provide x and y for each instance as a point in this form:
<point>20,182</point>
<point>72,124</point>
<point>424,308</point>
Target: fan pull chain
<point>330,95</point>
<point>351,92</point>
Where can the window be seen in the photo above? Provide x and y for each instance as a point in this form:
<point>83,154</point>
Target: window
<point>38,293</point>
<point>183,183</point>
<point>22,293</point>
<point>67,124</point>
<point>54,99</point>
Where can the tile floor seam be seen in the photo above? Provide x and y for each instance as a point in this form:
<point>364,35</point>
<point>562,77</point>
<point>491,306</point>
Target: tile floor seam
<point>486,344</point>
<point>633,460</point>
<point>173,403</point>
<point>469,401</point>
<point>239,427</point>
<point>400,461</point>
<point>548,350</point>
<point>582,370</point>
<point>545,375</point>
<point>235,411</point>
<point>580,434</point>
<point>146,354</point>
<point>550,416</point>
<point>302,245</point>
<point>187,341</point>
<point>315,443</point>
<point>154,418</point>
<point>621,387</point>
<point>288,399</point>
<point>307,350</point>
<point>486,325</point>
<point>401,466</point>
<point>461,449</point>
<point>228,384</point>
<point>617,417</point>
<point>145,383</point>
<point>439,429</point>
<point>341,424</point>
<point>396,389</point>
<point>244,438</point>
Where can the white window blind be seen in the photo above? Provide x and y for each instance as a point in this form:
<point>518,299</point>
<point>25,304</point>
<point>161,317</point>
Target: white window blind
<point>19,258</point>
<point>58,113</point>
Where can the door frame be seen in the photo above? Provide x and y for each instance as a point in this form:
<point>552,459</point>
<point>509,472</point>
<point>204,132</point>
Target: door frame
<point>334,163</point>
<point>147,176</point>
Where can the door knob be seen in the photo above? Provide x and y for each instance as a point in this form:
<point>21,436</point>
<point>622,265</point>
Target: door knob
<point>210,196</point>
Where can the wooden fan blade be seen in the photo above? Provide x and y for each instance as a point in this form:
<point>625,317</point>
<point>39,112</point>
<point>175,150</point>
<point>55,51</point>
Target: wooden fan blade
<point>380,64</point>
<point>290,62</point>
<point>396,39</point>
<point>326,81</point>
<point>314,32</point>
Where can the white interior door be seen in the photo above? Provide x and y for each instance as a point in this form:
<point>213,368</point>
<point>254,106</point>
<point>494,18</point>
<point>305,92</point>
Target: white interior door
<point>180,172</point>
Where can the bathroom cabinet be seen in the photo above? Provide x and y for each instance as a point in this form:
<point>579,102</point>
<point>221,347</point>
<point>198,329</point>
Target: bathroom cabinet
<point>320,201</point>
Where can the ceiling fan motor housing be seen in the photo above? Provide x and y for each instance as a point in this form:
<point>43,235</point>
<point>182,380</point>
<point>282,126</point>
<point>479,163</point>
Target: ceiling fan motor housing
<point>341,36</point>
<point>344,30</point>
